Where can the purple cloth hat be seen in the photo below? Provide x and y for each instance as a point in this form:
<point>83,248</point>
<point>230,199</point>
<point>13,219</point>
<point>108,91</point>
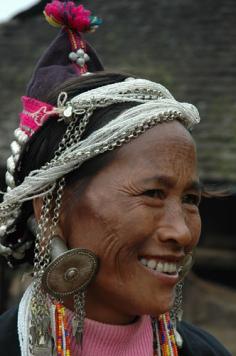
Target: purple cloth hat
<point>69,55</point>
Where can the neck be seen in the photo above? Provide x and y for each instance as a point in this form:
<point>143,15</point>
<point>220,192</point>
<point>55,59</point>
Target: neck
<point>103,313</point>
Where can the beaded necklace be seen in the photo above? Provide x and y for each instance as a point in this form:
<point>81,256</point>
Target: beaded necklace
<point>164,343</point>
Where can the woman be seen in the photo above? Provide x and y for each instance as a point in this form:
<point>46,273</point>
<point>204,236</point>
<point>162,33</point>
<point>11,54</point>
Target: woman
<point>104,192</point>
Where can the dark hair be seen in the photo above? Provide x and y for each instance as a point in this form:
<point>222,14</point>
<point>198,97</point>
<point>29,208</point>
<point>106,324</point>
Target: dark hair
<point>41,147</point>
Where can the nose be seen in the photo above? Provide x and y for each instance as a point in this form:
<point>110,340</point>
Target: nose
<point>174,228</point>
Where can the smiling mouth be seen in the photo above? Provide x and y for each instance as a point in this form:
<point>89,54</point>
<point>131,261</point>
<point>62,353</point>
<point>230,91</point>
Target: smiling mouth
<point>169,268</point>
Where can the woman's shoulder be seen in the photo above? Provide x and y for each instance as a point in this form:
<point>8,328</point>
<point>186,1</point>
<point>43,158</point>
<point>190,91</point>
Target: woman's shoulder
<point>9,344</point>
<point>199,342</point>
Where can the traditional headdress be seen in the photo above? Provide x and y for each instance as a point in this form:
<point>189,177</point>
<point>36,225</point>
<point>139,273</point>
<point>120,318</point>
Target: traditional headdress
<point>68,56</point>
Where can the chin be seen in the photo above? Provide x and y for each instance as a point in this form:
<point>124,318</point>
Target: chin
<point>160,306</point>
<point>154,304</point>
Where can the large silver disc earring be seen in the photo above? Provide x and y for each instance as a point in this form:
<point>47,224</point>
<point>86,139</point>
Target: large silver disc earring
<point>69,273</point>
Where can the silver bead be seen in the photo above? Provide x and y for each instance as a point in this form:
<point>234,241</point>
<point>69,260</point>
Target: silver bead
<point>80,52</point>
<point>3,229</point>
<point>10,180</point>
<point>23,138</point>
<point>11,165</point>
<point>86,57</point>
<point>16,158</point>
<point>80,62</point>
<point>10,222</point>
<point>5,251</point>
<point>17,132</point>
<point>73,56</point>
<point>15,147</point>
<point>68,112</point>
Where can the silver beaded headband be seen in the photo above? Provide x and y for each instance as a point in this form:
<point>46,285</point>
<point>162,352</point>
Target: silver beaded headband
<point>156,105</point>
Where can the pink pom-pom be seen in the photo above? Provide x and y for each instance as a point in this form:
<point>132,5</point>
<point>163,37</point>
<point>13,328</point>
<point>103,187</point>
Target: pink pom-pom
<point>69,15</point>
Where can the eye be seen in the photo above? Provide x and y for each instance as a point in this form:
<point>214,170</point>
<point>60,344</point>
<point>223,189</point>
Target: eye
<point>192,199</point>
<point>155,193</point>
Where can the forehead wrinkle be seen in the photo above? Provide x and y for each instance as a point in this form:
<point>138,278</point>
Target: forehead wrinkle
<point>163,180</point>
<point>169,182</point>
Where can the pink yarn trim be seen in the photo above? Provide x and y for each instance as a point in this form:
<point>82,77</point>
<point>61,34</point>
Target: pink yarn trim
<point>68,14</point>
<point>34,114</point>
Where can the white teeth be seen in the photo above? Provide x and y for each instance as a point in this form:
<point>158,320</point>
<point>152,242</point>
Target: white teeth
<point>166,267</point>
<point>152,264</point>
<point>163,267</point>
<point>160,267</point>
<point>173,267</point>
<point>143,261</point>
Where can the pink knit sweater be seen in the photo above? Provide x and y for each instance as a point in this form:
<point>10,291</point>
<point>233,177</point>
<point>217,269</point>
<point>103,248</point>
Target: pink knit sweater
<point>116,340</point>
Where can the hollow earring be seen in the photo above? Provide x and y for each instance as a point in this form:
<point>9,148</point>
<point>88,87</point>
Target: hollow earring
<point>69,273</point>
<point>177,310</point>
<point>187,265</point>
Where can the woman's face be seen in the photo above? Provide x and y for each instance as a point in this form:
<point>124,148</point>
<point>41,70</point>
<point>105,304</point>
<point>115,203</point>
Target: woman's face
<point>139,215</point>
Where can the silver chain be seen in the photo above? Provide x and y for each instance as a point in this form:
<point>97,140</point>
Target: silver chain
<point>73,133</point>
<point>48,222</point>
<point>46,229</point>
<point>41,245</point>
<point>79,316</point>
<point>129,135</point>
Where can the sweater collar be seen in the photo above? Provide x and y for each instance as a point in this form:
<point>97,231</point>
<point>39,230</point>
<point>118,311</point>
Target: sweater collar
<point>106,339</point>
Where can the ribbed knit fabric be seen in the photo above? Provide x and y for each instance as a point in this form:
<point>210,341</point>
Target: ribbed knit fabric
<point>115,340</point>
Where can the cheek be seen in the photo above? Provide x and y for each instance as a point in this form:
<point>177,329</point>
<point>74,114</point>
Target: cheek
<point>194,225</point>
<point>113,229</point>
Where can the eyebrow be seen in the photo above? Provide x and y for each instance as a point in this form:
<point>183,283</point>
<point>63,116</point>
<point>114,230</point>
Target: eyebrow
<point>169,182</point>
